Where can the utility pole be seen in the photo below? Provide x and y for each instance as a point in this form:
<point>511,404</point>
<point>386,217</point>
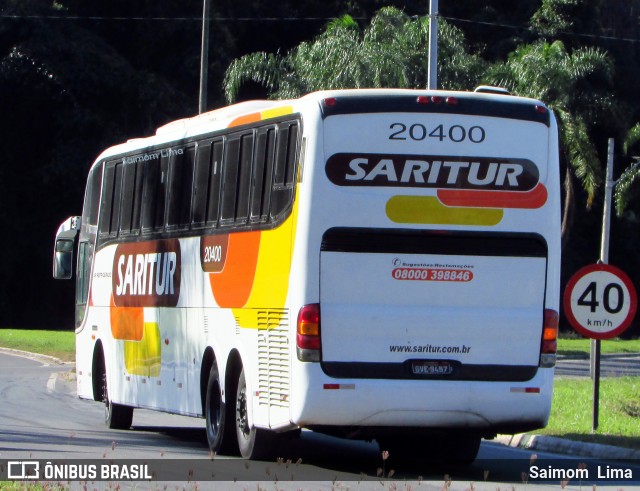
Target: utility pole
<point>204,58</point>
<point>432,75</point>
<point>604,259</point>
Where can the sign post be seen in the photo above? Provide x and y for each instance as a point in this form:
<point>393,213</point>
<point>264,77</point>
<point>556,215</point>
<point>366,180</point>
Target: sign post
<point>600,302</point>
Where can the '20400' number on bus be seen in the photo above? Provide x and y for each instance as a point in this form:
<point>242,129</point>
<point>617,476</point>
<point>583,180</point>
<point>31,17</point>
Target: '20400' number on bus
<point>419,132</point>
<point>213,254</point>
<point>427,274</point>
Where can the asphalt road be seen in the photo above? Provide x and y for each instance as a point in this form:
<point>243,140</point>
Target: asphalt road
<point>42,419</point>
<point>611,365</point>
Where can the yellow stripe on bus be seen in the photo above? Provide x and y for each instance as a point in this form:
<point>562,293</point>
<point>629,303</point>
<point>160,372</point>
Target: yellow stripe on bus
<point>429,210</point>
<point>144,357</point>
<point>276,112</point>
<point>271,281</point>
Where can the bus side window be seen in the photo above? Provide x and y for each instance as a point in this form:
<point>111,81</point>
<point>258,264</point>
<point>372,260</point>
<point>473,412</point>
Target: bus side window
<point>161,194</point>
<point>111,197</point>
<point>153,194</point>
<point>230,171</point>
<point>151,175</point>
<point>206,193</point>
<point>92,197</point>
<point>292,150</point>
<point>82,280</point>
<point>244,179</point>
<point>201,183</point>
<point>179,186</point>
<point>131,198</point>
<point>189,163</point>
<point>262,174</point>
<point>284,172</point>
<point>215,184</point>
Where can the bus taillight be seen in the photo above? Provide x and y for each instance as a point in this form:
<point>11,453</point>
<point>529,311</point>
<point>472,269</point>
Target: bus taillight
<point>549,344</point>
<point>308,333</point>
<point>541,109</point>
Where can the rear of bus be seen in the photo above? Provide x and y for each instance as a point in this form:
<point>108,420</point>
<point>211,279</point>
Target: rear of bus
<point>433,260</point>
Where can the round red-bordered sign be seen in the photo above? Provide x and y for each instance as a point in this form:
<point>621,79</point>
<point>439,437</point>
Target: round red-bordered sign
<point>600,301</point>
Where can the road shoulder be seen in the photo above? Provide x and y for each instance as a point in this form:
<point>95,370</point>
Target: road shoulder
<point>546,443</point>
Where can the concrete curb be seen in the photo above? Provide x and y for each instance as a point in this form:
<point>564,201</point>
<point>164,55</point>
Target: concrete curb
<point>49,360</point>
<point>545,443</point>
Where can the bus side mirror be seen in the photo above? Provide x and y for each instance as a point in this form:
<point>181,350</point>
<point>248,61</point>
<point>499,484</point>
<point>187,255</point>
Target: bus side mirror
<point>63,259</point>
<point>63,249</point>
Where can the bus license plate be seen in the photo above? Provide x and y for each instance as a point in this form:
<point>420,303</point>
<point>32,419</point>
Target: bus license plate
<point>421,367</point>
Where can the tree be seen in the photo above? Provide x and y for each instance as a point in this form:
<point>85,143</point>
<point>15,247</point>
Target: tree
<point>389,52</point>
<point>66,95</point>
<point>574,85</point>
<point>624,184</point>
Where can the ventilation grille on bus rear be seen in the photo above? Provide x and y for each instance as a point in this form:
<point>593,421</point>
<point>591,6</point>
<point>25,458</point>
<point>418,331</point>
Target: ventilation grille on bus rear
<point>273,357</point>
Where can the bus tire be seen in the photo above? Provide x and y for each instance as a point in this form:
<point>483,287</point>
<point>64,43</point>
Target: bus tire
<point>116,416</point>
<point>254,443</point>
<point>217,416</point>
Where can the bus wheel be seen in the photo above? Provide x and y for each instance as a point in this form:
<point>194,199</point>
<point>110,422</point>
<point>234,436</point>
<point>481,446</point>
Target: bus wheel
<point>219,435</point>
<point>116,416</point>
<point>254,443</point>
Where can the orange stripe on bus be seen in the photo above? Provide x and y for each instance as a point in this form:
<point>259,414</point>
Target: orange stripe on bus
<point>126,322</point>
<point>246,119</point>
<point>232,286</point>
<point>535,198</point>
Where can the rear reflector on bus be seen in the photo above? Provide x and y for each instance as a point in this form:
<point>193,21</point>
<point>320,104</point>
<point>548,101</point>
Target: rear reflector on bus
<point>526,390</point>
<point>436,99</point>
<point>339,386</point>
<point>308,333</point>
<point>549,343</point>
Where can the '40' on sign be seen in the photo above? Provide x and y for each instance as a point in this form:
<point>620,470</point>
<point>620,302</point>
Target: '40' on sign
<point>600,301</point>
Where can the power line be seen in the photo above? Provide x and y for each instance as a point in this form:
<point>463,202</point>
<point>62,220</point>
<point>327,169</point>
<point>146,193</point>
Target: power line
<point>298,19</point>
<point>536,31</point>
<point>166,19</point>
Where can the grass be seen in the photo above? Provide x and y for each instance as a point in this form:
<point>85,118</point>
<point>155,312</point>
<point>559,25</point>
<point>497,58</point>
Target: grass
<point>580,347</point>
<point>36,486</point>
<point>60,344</point>
<point>619,411</point>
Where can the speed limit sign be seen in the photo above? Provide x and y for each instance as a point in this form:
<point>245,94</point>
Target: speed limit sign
<point>600,301</point>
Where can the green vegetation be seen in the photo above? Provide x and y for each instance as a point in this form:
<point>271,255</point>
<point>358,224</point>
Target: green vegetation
<point>36,486</point>
<point>580,347</point>
<point>619,411</point>
<point>60,344</point>
<point>94,78</point>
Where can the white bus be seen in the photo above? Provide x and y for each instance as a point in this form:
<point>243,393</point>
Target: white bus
<point>374,264</point>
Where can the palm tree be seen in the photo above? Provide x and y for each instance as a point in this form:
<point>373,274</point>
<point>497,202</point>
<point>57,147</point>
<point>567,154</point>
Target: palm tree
<point>389,52</point>
<point>631,174</point>
<point>571,85</point>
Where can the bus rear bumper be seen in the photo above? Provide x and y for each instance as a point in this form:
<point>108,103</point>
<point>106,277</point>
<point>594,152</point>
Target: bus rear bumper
<point>368,406</point>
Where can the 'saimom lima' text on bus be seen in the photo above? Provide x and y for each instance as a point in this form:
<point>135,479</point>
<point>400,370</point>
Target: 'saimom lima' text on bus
<point>376,264</point>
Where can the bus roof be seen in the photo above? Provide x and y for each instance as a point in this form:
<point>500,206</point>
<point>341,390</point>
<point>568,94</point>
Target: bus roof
<point>351,101</point>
